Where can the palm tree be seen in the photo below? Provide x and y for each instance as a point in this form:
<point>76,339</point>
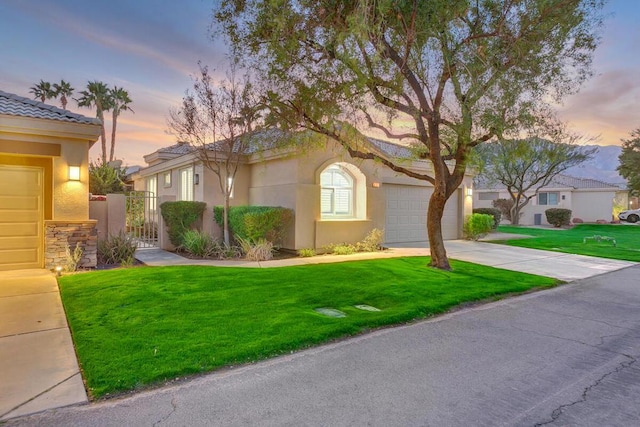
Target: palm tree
<point>120,101</point>
<point>63,90</point>
<point>43,91</point>
<point>97,95</point>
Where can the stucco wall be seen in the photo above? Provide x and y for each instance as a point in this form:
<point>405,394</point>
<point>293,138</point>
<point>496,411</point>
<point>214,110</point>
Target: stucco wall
<point>71,198</point>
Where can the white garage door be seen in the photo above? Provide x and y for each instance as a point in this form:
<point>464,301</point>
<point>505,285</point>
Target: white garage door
<point>406,214</point>
<point>21,217</point>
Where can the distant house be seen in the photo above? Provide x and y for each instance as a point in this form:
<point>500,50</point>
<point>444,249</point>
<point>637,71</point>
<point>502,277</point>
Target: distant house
<point>335,198</point>
<point>589,199</point>
<point>44,184</point>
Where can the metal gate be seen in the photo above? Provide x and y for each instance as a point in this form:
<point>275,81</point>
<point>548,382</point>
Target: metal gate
<point>142,218</point>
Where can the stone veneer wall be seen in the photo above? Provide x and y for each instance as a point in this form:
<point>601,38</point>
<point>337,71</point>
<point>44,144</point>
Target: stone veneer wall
<point>62,234</point>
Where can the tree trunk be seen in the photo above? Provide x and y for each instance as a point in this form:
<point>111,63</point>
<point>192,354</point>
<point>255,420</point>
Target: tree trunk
<point>515,214</point>
<point>225,220</point>
<point>434,231</point>
<point>103,136</point>
<point>113,134</point>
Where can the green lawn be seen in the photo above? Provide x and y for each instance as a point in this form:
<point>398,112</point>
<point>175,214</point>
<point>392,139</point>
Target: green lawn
<point>571,240</point>
<point>139,326</point>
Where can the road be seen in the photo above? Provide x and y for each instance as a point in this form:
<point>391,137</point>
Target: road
<point>566,356</point>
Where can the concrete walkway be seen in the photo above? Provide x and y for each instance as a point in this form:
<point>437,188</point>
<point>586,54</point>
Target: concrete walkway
<point>558,265</point>
<point>38,365</point>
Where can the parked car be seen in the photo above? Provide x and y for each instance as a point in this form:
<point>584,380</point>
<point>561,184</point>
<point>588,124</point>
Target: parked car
<point>632,215</point>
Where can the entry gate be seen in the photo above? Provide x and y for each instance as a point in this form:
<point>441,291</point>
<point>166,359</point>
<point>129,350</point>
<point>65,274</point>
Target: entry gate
<point>142,218</point>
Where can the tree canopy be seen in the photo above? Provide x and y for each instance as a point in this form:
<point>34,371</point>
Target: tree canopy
<point>523,166</point>
<point>629,158</point>
<point>441,75</point>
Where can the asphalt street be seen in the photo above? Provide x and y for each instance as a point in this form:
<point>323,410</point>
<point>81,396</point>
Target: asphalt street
<point>563,357</point>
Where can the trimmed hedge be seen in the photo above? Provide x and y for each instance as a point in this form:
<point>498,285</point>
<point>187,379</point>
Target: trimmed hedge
<point>180,217</point>
<point>477,226</point>
<point>558,216</point>
<point>256,222</point>
<point>495,213</point>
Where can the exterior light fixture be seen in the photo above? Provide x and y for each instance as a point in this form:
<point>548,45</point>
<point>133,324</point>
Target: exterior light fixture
<point>74,173</point>
<point>58,270</point>
<point>375,185</point>
<point>469,191</point>
<point>196,179</point>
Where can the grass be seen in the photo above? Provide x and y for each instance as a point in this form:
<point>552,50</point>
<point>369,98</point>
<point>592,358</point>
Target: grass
<point>140,326</point>
<point>571,240</point>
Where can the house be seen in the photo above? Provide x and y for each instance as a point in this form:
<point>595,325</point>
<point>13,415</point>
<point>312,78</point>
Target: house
<point>588,199</point>
<point>44,184</point>
<point>335,198</point>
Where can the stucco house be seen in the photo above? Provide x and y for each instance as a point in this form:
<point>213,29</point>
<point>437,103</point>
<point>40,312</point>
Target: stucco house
<point>589,199</point>
<point>335,198</point>
<point>44,184</point>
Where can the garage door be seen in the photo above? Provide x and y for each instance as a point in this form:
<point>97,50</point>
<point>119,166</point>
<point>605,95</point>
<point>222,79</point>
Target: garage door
<point>406,214</point>
<point>21,217</point>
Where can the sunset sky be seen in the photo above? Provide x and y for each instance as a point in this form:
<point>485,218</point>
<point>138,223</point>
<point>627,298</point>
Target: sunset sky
<point>152,47</point>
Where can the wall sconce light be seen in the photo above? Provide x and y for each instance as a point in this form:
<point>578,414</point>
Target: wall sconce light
<point>196,179</point>
<point>375,184</point>
<point>469,191</point>
<point>74,173</point>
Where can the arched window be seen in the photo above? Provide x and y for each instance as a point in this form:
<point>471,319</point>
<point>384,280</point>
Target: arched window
<point>336,198</point>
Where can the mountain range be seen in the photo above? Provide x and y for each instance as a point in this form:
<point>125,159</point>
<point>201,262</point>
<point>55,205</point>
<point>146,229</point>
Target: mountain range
<point>602,166</point>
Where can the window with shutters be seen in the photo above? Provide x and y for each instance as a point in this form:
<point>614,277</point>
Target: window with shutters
<point>186,184</point>
<point>336,197</point>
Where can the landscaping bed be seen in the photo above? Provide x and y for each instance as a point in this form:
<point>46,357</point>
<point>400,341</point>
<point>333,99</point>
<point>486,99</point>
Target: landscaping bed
<point>133,328</point>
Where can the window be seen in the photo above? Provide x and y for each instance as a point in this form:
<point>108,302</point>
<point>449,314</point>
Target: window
<point>548,199</point>
<point>152,188</point>
<point>487,195</point>
<point>336,199</point>
<point>167,179</point>
<point>186,184</point>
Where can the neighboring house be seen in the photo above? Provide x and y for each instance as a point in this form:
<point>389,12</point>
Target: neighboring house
<point>588,199</point>
<point>44,184</point>
<point>335,198</point>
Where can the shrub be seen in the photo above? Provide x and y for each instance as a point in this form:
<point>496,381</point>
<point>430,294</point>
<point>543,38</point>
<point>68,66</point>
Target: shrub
<point>116,249</point>
<point>260,250</point>
<point>180,217</point>
<point>72,259</point>
<point>105,179</point>
<point>306,253</point>
<point>504,206</point>
<point>199,243</point>
<point>256,222</point>
<point>477,226</point>
<point>558,216</point>
<point>343,249</point>
<point>371,243</point>
<point>494,212</point>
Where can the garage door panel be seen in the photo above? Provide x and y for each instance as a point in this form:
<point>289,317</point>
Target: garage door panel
<point>21,217</point>
<point>406,214</point>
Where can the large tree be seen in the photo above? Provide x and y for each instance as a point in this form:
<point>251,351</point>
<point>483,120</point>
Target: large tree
<point>218,121</point>
<point>42,91</point>
<point>629,158</point>
<point>119,101</point>
<point>64,91</point>
<point>442,75</point>
<point>97,95</point>
<point>523,166</point>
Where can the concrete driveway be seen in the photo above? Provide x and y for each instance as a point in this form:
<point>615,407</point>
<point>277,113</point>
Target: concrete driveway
<point>38,365</point>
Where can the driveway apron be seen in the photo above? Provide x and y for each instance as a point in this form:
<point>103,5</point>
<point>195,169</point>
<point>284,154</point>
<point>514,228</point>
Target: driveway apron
<point>38,364</point>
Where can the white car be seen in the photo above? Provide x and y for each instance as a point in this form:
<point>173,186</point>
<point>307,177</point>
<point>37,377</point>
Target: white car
<point>632,215</point>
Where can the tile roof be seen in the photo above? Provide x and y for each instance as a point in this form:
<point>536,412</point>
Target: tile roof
<point>559,181</point>
<point>267,139</point>
<point>14,105</point>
